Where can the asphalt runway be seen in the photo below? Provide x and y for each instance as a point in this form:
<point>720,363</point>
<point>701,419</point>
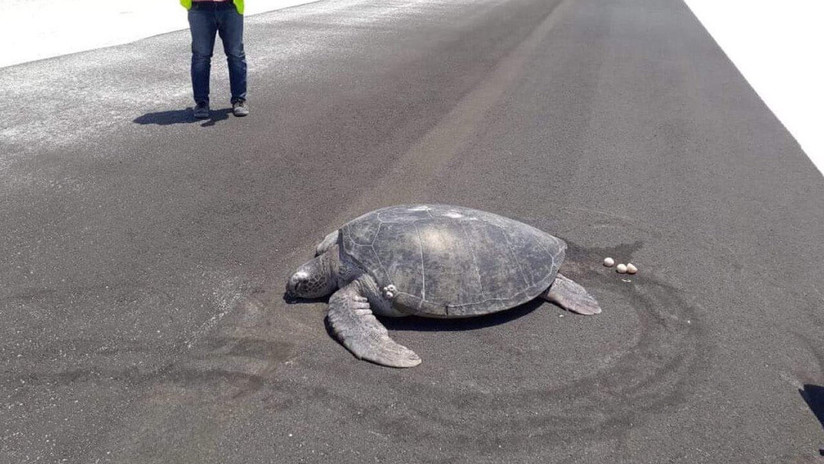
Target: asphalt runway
<point>145,253</point>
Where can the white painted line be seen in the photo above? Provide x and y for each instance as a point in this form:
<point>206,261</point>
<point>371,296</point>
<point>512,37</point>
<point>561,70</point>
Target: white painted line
<point>779,48</point>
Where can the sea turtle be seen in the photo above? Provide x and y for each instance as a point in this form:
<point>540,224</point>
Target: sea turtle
<point>432,261</point>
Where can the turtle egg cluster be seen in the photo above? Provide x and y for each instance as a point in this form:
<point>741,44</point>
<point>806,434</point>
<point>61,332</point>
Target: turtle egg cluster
<point>621,268</point>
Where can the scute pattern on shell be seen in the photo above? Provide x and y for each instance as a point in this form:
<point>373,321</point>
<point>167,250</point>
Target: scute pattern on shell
<point>449,261</point>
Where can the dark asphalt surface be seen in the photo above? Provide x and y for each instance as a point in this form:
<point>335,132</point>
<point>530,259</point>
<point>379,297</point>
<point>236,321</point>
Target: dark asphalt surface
<point>144,254</point>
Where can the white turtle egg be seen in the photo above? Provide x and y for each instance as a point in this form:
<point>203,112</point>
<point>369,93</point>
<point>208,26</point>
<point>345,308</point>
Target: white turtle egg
<point>609,262</point>
<point>622,269</point>
<point>631,269</point>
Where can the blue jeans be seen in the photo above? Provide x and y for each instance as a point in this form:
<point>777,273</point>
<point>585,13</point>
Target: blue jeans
<point>206,19</point>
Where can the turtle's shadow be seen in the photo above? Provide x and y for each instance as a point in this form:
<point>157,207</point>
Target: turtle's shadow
<point>436,324</point>
<point>292,300</point>
<point>428,324</point>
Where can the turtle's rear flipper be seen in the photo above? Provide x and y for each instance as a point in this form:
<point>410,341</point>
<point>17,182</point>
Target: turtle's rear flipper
<point>361,333</point>
<point>571,296</point>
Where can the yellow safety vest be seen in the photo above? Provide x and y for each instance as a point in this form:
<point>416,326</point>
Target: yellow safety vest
<point>238,4</point>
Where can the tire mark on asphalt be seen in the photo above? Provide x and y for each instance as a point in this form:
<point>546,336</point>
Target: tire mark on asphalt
<point>407,178</point>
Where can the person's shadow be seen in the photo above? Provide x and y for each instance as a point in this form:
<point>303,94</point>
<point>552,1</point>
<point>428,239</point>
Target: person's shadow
<point>814,396</point>
<point>166,118</point>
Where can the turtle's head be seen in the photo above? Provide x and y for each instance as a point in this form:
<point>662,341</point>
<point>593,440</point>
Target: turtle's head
<point>314,279</point>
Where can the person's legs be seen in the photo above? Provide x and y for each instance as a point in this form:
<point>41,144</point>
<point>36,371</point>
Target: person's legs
<point>230,28</point>
<point>203,25</point>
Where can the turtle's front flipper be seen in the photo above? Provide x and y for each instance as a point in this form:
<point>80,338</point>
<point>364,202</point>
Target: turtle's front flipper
<point>361,333</point>
<point>571,296</point>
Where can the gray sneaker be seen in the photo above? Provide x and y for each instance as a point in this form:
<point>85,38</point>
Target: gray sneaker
<point>240,109</point>
<point>202,111</point>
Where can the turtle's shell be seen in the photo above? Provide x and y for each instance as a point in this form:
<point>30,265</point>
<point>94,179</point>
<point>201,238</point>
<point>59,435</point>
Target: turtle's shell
<point>449,261</point>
